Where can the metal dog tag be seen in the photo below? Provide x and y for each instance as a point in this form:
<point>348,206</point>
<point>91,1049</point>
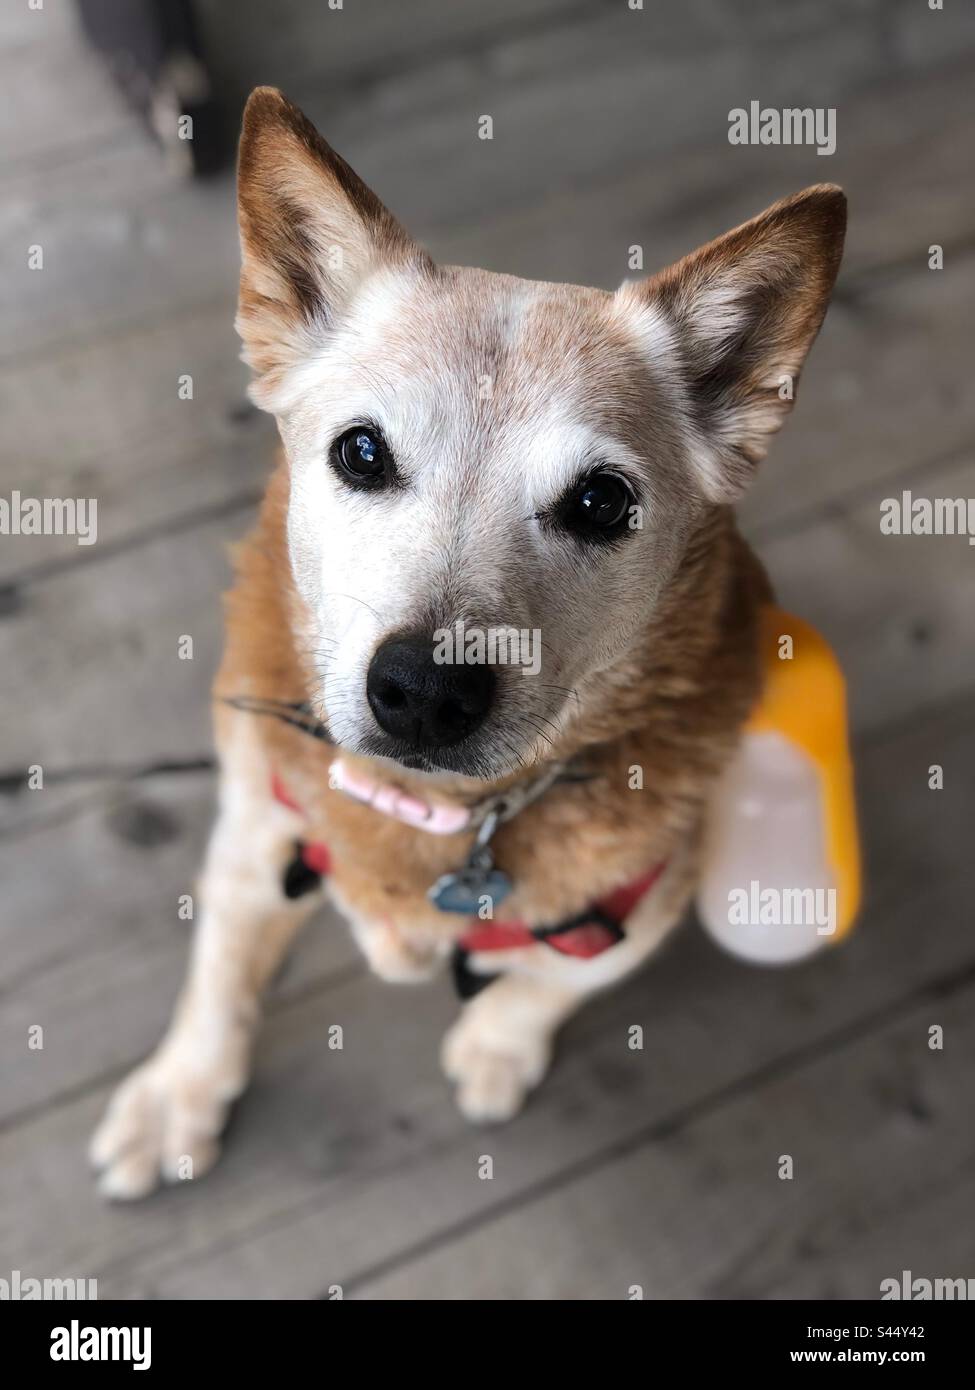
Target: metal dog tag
<point>464,890</point>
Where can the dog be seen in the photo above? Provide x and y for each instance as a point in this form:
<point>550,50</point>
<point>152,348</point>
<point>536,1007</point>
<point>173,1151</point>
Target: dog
<point>468,452</point>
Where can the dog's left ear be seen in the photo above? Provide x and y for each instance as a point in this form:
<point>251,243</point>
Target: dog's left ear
<point>310,234</point>
<point>744,311</point>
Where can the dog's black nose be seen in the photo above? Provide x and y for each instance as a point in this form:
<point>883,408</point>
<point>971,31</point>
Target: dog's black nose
<point>422,702</point>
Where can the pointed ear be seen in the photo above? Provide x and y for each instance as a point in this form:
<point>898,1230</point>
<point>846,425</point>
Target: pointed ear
<point>310,233</point>
<point>743,312</point>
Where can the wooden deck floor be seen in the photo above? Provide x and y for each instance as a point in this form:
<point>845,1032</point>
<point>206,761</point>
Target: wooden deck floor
<point>656,1168</point>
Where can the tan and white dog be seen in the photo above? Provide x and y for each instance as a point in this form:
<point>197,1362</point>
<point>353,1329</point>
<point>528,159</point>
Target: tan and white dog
<point>465,447</point>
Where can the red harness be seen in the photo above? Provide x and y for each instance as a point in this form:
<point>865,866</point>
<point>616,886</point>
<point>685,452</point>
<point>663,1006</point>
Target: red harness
<point>314,854</point>
<point>585,935</point>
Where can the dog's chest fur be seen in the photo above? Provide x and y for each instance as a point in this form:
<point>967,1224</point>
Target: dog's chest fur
<point>666,726</point>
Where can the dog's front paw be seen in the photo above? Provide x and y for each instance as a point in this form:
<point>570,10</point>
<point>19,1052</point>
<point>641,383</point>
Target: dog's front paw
<point>492,1078</point>
<point>162,1125</point>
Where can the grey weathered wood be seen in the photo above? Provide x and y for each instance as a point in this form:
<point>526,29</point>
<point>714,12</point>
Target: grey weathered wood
<point>700,1212</point>
<point>56,804</point>
<point>123,436</point>
<point>92,943</point>
<point>125,246</point>
<point>360,45</point>
<point>905,181</point>
<point>880,397</point>
<point>108,638</point>
<point>594,96</point>
<point>350,52</point>
<point>58,99</point>
<point>897,609</point>
<point>341,1162</point>
<point>124,241</point>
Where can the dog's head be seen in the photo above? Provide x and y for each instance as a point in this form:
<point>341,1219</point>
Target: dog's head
<point>493,480</point>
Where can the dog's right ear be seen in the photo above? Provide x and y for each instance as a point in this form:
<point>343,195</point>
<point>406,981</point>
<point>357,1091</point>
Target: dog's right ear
<point>744,311</point>
<point>310,232</point>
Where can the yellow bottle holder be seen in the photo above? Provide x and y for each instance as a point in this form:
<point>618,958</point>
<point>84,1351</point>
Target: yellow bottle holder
<point>780,863</point>
<point>804,700</point>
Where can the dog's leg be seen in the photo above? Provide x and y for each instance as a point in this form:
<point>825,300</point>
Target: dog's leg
<point>501,1046</point>
<point>164,1121</point>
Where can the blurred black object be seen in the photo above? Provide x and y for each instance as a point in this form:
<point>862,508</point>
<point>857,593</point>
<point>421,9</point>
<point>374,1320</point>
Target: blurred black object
<point>155,55</point>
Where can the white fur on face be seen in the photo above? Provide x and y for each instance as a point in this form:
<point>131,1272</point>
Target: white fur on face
<point>495,395</point>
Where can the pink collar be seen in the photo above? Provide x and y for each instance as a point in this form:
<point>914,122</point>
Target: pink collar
<point>438,817</point>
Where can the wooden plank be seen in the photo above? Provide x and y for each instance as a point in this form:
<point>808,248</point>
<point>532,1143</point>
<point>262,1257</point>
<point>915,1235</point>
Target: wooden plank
<point>540,94</point>
<point>360,45</point>
<point>109,633</point>
<point>125,243</point>
<point>104,877</point>
<point>897,609</point>
<point>880,398</point>
<point>148,458</point>
<point>93,945</point>
<point>22,28</point>
<point>884,1160</point>
<point>870,410</point>
<point>349,51</point>
<point>904,179</point>
<point>20,814</point>
<point>47,56</point>
<point>340,1162</point>
<point>125,247</point>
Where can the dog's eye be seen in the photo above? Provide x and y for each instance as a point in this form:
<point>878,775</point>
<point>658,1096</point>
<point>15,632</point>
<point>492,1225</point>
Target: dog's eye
<point>362,456</point>
<point>597,508</point>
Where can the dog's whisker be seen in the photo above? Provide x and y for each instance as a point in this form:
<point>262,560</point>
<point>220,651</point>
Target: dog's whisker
<point>533,724</point>
<point>355,599</point>
<point>526,719</point>
<point>567,692</point>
